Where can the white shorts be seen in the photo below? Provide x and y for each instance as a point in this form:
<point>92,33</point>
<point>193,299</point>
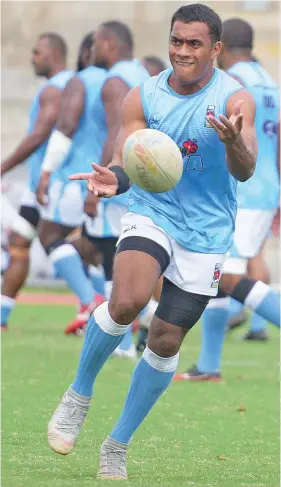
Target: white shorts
<point>191,271</point>
<point>251,230</point>
<point>29,199</point>
<point>65,203</point>
<point>107,222</point>
<point>21,224</point>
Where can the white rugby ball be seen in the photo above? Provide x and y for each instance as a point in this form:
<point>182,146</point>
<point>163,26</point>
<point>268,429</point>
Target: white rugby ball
<point>152,160</point>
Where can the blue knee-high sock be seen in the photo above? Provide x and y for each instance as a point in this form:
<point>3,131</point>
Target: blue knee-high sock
<point>97,277</point>
<point>69,265</point>
<point>257,323</point>
<point>234,308</point>
<point>7,306</point>
<point>127,340</point>
<point>265,302</point>
<point>213,326</point>
<point>150,379</point>
<point>103,335</point>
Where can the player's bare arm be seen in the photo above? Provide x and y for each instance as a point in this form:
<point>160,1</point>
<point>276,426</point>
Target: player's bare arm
<point>236,130</point>
<point>103,182</point>
<point>72,103</point>
<point>113,96</point>
<point>49,109</point>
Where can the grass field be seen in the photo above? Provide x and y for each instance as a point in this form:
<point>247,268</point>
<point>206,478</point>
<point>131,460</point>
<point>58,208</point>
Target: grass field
<point>199,434</point>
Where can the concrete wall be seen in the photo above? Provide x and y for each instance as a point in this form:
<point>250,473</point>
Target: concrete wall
<point>22,21</point>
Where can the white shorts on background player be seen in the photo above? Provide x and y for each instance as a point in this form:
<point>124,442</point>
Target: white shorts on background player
<point>107,222</point>
<point>191,271</point>
<point>251,230</point>
<point>65,203</point>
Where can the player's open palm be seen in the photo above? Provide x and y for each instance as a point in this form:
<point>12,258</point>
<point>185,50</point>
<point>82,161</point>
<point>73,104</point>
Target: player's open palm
<point>102,182</point>
<point>228,129</point>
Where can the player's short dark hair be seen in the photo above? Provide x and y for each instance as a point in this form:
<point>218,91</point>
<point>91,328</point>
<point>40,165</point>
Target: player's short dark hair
<point>197,12</point>
<point>121,31</point>
<point>87,41</point>
<point>156,61</point>
<point>56,42</point>
<point>237,34</point>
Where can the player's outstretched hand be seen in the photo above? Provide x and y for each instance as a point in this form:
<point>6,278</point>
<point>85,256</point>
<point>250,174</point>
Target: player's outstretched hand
<point>102,182</point>
<point>228,129</point>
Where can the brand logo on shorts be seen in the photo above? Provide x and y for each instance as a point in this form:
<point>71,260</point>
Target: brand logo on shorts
<point>133,227</point>
<point>210,111</point>
<point>216,276</point>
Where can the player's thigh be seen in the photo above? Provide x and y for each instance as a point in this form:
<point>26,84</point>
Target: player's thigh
<point>135,275</point>
<point>52,233</point>
<point>65,203</point>
<point>89,252</point>
<point>143,254</point>
<point>178,311</point>
<point>257,268</point>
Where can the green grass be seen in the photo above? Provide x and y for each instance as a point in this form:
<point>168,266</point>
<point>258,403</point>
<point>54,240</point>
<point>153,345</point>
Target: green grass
<point>195,436</point>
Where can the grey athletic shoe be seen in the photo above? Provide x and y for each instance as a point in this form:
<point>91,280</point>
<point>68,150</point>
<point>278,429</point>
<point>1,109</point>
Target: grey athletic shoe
<point>113,460</point>
<point>66,422</point>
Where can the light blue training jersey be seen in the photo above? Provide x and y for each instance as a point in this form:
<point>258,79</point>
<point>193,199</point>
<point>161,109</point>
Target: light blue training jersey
<point>59,80</point>
<point>91,132</point>
<point>199,212</point>
<point>111,209</point>
<point>261,191</point>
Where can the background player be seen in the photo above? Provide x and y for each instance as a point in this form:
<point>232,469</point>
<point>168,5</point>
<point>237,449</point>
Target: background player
<point>73,144</point>
<point>153,64</point>
<point>49,61</point>
<point>162,233</point>
<point>258,200</point>
<point>113,52</point>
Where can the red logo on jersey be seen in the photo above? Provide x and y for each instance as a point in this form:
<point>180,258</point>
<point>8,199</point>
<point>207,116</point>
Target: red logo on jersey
<point>189,147</point>
<point>210,111</point>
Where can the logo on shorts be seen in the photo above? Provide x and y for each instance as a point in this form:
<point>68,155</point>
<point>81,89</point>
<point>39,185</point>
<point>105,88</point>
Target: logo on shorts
<point>210,111</point>
<point>133,227</point>
<point>216,276</point>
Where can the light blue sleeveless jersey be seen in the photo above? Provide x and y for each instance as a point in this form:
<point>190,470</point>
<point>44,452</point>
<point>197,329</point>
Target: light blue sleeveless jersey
<point>133,74</point>
<point>261,191</point>
<point>91,133</point>
<point>59,80</point>
<point>200,211</point>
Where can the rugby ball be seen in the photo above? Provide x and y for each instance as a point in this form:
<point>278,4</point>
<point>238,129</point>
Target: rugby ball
<point>152,160</point>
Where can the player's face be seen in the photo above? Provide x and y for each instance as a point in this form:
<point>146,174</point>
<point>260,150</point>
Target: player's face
<point>100,49</point>
<point>41,56</point>
<point>191,51</point>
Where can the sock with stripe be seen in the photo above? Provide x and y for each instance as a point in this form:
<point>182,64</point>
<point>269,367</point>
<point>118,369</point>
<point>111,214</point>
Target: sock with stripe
<point>259,297</point>
<point>103,335</point>
<point>69,265</point>
<point>7,306</point>
<point>213,328</point>
<point>150,379</point>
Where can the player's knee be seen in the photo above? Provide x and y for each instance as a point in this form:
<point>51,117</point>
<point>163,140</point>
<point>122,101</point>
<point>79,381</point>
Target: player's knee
<point>125,307</point>
<point>17,241</point>
<point>167,345</point>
